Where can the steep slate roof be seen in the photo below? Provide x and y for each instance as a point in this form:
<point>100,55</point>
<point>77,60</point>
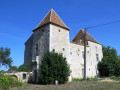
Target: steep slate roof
<point>53,18</point>
<point>80,36</point>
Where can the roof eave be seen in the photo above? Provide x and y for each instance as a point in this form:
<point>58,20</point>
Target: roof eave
<point>50,23</point>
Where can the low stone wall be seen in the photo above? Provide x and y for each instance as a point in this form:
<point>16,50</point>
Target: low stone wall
<point>21,76</point>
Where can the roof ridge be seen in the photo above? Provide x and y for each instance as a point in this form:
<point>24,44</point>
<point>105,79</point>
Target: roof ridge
<point>53,18</point>
<point>59,17</point>
<point>43,19</point>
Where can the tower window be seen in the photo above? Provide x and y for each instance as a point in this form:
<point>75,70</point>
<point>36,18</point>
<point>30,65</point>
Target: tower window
<point>63,49</point>
<point>83,54</point>
<point>97,58</point>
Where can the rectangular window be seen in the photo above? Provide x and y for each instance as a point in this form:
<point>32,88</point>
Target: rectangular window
<point>83,54</point>
<point>97,58</point>
<point>37,49</point>
<point>24,76</point>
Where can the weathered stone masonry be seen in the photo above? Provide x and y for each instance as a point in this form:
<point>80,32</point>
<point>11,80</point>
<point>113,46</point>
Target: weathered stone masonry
<point>51,34</point>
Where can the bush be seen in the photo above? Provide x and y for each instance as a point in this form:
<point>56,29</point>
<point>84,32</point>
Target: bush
<point>110,63</point>
<point>6,82</point>
<point>53,67</point>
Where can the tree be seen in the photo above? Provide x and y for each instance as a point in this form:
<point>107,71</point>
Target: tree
<point>13,68</point>
<point>27,67</point>
<point>5,59</point>
<point>53,67</point>
<point>109,63</point>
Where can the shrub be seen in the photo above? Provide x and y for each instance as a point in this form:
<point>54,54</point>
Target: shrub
<point>53,67</point>
<point>7,81</point>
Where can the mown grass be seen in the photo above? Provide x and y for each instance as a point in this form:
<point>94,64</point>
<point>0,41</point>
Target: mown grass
<point>115,78</point>
<point>74,85</point>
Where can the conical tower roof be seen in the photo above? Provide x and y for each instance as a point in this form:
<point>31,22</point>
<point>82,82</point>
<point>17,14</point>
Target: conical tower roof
<point>53,18</point>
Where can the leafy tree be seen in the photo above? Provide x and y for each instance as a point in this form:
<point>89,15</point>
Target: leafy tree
<point>5,59</point>
<point>27,67</point>
<point>109,63</point>
<point>53,67</point>
<point>13,68</point>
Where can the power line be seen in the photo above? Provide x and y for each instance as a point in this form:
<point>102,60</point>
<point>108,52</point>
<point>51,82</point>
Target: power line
<point>103,24</point>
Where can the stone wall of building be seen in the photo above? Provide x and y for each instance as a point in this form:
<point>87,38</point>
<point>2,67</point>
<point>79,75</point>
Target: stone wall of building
<point>40,46</point>
<point>28,50</point>
<point>77,59</point>
<point>59,40</point>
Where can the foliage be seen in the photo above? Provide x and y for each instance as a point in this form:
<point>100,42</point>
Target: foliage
<point>110,64</point>
<point>6,82</point>
<point>5,58</point>
<point>53,67</point>
<point>27,67</point>
<point>13,68</point>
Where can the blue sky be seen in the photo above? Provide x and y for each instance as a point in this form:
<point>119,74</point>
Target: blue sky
<point>19,17</point>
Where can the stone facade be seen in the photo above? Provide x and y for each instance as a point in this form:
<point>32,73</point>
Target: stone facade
<point>53,35</point>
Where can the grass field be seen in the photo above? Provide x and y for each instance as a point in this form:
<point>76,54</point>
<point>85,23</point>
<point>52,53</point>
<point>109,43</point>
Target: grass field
<point>75,85</point>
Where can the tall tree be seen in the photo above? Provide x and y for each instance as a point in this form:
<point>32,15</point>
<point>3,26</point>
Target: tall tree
<point>109,63</point>
<point>53,67</point>
<point>5,59</point>
<point>13,68</point>
<point>27,67</point>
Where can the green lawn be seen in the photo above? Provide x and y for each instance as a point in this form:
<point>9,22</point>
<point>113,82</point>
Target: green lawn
<point>75,85</point>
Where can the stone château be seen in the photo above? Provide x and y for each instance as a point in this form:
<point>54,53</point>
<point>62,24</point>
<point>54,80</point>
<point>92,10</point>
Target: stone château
<point>51,34</point>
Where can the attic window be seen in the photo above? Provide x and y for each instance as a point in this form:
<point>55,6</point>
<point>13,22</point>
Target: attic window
<point>59,30</point>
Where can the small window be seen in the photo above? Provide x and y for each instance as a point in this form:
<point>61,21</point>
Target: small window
<point>97,58</point>
<point>24,76</point>
<point>83,54</point>
<point>42,30</point>
<point>59,30</point>
<point>78,54</point>
<point>78,49</point>
<point>63,49</point>
<point>70,53</point>
<point>89,69</point>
